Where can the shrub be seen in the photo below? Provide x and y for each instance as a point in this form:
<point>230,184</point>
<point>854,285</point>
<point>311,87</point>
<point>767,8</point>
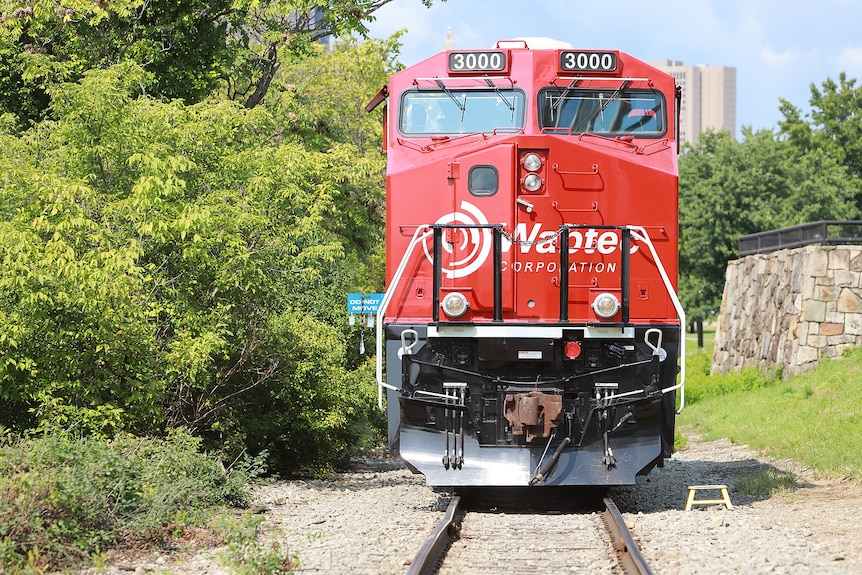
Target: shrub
<point>166,265</point>
<point>64,499</point>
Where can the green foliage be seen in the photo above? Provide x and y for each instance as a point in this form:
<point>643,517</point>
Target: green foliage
<point>700,385</point>
<point>189,47</point>
<point>835,124</point>
<point>318,412</point>
<point>171,260</point>
<point>63,500</point>
<point>323,91</point>
<point>322,99</point>
<point>165,265</point>
<point>803,419</point>
<point>276,33</point>
<point>183,45</point>
<point>729,189</point>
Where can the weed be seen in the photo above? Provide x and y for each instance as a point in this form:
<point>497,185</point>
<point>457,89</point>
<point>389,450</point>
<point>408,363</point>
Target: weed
<point>679,440</point>
<point>33,564</point>
<point>248,553</point>
<point>766,482</point>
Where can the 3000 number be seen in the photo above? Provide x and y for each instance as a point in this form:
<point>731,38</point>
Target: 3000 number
<point>588,61</point>
<point>477,61</point>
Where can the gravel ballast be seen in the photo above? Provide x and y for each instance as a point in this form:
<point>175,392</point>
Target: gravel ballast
<point>373,520</point>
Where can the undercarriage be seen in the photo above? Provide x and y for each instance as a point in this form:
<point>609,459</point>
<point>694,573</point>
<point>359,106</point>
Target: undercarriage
<point>531,406</point>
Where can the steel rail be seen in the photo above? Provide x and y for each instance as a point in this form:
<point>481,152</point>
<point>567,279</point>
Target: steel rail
<point>628,554</point>
<point>430,555</point>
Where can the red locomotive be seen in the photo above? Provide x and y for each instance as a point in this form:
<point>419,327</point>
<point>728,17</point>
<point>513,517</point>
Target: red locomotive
<point>531,327</point>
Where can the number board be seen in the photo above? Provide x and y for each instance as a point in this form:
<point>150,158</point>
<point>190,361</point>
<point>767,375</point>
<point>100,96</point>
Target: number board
<point>588,61</point>
<point>476,61</point>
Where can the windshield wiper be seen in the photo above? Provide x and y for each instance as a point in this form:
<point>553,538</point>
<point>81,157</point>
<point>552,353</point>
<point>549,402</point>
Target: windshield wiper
<point>573,84</point>
<point>500,94</point>
<point>462,107</point>
<point>601,108</point>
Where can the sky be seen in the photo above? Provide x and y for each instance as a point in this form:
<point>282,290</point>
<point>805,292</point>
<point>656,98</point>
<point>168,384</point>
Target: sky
<point>778,47</point>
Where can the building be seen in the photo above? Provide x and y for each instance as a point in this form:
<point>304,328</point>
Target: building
<point>708,98</point>
<point>449,42</point>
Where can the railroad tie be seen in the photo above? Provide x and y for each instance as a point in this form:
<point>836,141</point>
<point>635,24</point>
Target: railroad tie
<point>725,498</point>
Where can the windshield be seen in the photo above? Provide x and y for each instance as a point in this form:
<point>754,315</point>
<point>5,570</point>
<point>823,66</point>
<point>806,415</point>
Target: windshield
<point>607,112</point>
<point>461,111</point>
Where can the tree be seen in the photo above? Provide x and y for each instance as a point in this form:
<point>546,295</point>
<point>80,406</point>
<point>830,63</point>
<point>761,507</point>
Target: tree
<point>323,98</point>
<point>835,124</point>
<point>170,265</point>
<point>45,42</point>
<point>272,31</point>
<point>189,47</point>
<point>729,189</point>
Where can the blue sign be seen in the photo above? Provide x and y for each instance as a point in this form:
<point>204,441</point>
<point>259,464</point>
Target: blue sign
<point>363,303</point>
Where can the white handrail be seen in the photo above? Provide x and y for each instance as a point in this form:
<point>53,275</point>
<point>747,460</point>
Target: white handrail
<point>641,234</point>
<point>384,303</point>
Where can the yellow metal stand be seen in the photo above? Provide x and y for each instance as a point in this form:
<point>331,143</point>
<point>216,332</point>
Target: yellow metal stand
<point>725,498</point>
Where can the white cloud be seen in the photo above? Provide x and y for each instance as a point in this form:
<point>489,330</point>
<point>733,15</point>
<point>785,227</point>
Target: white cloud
<point>781,59</point>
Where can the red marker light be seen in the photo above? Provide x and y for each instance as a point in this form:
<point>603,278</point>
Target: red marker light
<point>573,349</point>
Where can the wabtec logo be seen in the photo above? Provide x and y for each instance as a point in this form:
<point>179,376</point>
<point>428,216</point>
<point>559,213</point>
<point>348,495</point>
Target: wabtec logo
<point>590,240</point>
<point>469,248</point>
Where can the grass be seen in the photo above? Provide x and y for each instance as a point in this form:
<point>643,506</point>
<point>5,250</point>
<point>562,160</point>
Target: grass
<point>814,418</point>
<point>766,483</point>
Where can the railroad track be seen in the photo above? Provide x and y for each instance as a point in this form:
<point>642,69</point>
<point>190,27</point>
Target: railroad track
<point>528,542</point>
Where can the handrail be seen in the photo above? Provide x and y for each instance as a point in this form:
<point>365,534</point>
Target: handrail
<point>384,303</point>
<point>640,233</point>
<point>798,236</point>
<point>625,266</point>
<point>497,242</point>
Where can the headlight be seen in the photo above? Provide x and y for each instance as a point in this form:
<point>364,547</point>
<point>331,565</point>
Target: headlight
<point>454,304</point>
<point>532,182</point>
<point>606,305</point>
<point>532,162</point>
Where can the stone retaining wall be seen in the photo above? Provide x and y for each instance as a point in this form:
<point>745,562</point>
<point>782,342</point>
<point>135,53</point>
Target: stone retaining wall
<point>789,308</point>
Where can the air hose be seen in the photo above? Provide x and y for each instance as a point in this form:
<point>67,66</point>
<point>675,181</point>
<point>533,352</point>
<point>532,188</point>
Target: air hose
<point>540,476</point>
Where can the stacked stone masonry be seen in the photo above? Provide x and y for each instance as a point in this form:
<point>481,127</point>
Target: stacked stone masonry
<point>789,309</point>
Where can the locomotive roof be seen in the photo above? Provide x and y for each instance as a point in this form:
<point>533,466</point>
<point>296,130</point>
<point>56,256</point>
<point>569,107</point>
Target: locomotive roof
<point>532,61</point>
